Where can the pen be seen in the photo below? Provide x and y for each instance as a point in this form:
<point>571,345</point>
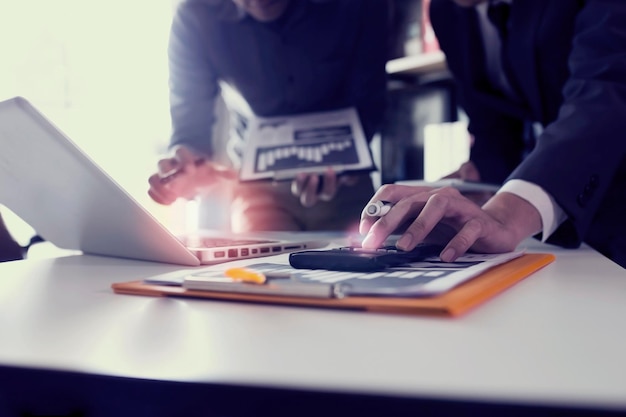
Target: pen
<point>246,275</point>
<point>176,172</point>
<point>378,208</point>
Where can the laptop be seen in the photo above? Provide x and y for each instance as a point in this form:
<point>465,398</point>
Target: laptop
<point>70,201</point>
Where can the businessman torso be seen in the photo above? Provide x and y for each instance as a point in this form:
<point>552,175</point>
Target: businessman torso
<point>566,63</point>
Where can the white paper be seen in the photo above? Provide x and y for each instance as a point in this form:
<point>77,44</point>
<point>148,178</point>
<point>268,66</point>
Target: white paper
<point>280,147</point>
<point>419,279</point>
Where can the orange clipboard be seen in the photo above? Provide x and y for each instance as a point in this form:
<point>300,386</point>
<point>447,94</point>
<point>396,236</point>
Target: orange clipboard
<point>453,303</point>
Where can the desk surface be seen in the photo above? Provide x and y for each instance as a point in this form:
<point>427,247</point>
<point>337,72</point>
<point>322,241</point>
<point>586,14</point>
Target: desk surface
<point>556,338</point>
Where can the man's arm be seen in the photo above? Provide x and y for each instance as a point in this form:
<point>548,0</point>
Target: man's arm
<point>576,159</point>
<point>192,79</point>
<point>193,91</point>
<point>578,155</point>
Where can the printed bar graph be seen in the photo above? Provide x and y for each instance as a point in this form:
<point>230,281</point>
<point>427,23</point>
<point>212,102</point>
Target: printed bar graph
<point>337,152</point>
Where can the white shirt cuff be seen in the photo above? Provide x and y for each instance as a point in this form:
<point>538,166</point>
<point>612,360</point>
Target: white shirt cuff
<point>551,213</point>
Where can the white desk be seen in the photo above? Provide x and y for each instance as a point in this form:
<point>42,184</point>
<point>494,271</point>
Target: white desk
<point>557,338</point>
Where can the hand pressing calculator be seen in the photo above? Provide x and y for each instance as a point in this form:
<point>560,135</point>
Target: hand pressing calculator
<point>353,258</point>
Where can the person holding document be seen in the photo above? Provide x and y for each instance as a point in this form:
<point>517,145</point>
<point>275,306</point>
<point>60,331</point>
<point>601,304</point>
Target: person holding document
<point>544,85</point>
<point>283,57</point>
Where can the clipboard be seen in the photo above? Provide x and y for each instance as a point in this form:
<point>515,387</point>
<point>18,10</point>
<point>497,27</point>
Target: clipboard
<point>453,303</point>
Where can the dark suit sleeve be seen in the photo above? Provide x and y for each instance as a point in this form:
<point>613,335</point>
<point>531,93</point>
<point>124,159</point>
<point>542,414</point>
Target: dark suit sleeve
<point>192,79</point>
<point>580,157</point>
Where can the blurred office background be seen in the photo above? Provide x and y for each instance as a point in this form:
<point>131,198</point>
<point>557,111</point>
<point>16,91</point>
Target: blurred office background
<point>98,70</point>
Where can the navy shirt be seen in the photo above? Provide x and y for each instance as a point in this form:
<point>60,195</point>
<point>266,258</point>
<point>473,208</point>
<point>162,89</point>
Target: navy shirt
<point>320,55</point>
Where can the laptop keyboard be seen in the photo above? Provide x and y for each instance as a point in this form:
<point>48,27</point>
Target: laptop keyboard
<point>219,242</point>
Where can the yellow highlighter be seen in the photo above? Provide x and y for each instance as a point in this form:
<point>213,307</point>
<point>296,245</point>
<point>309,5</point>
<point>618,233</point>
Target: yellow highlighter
<point>246,275</point>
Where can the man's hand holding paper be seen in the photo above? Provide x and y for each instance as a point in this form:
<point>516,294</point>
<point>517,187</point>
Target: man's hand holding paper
<point>312,188</point>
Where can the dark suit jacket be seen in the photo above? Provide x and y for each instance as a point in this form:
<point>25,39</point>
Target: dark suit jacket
<point>568,61</point>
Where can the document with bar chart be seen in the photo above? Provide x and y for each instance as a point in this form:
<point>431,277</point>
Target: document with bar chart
<point>278,148</point>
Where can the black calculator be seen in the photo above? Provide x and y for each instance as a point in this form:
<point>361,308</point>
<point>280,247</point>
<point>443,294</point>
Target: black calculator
<point>353,258</point>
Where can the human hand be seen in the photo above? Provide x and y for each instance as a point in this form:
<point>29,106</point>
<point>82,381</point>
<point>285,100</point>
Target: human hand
<point>445,216</point>
<point>469,172</point>
<point>466,172</point>
<point>184,175</point>
<point>311,188</point>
